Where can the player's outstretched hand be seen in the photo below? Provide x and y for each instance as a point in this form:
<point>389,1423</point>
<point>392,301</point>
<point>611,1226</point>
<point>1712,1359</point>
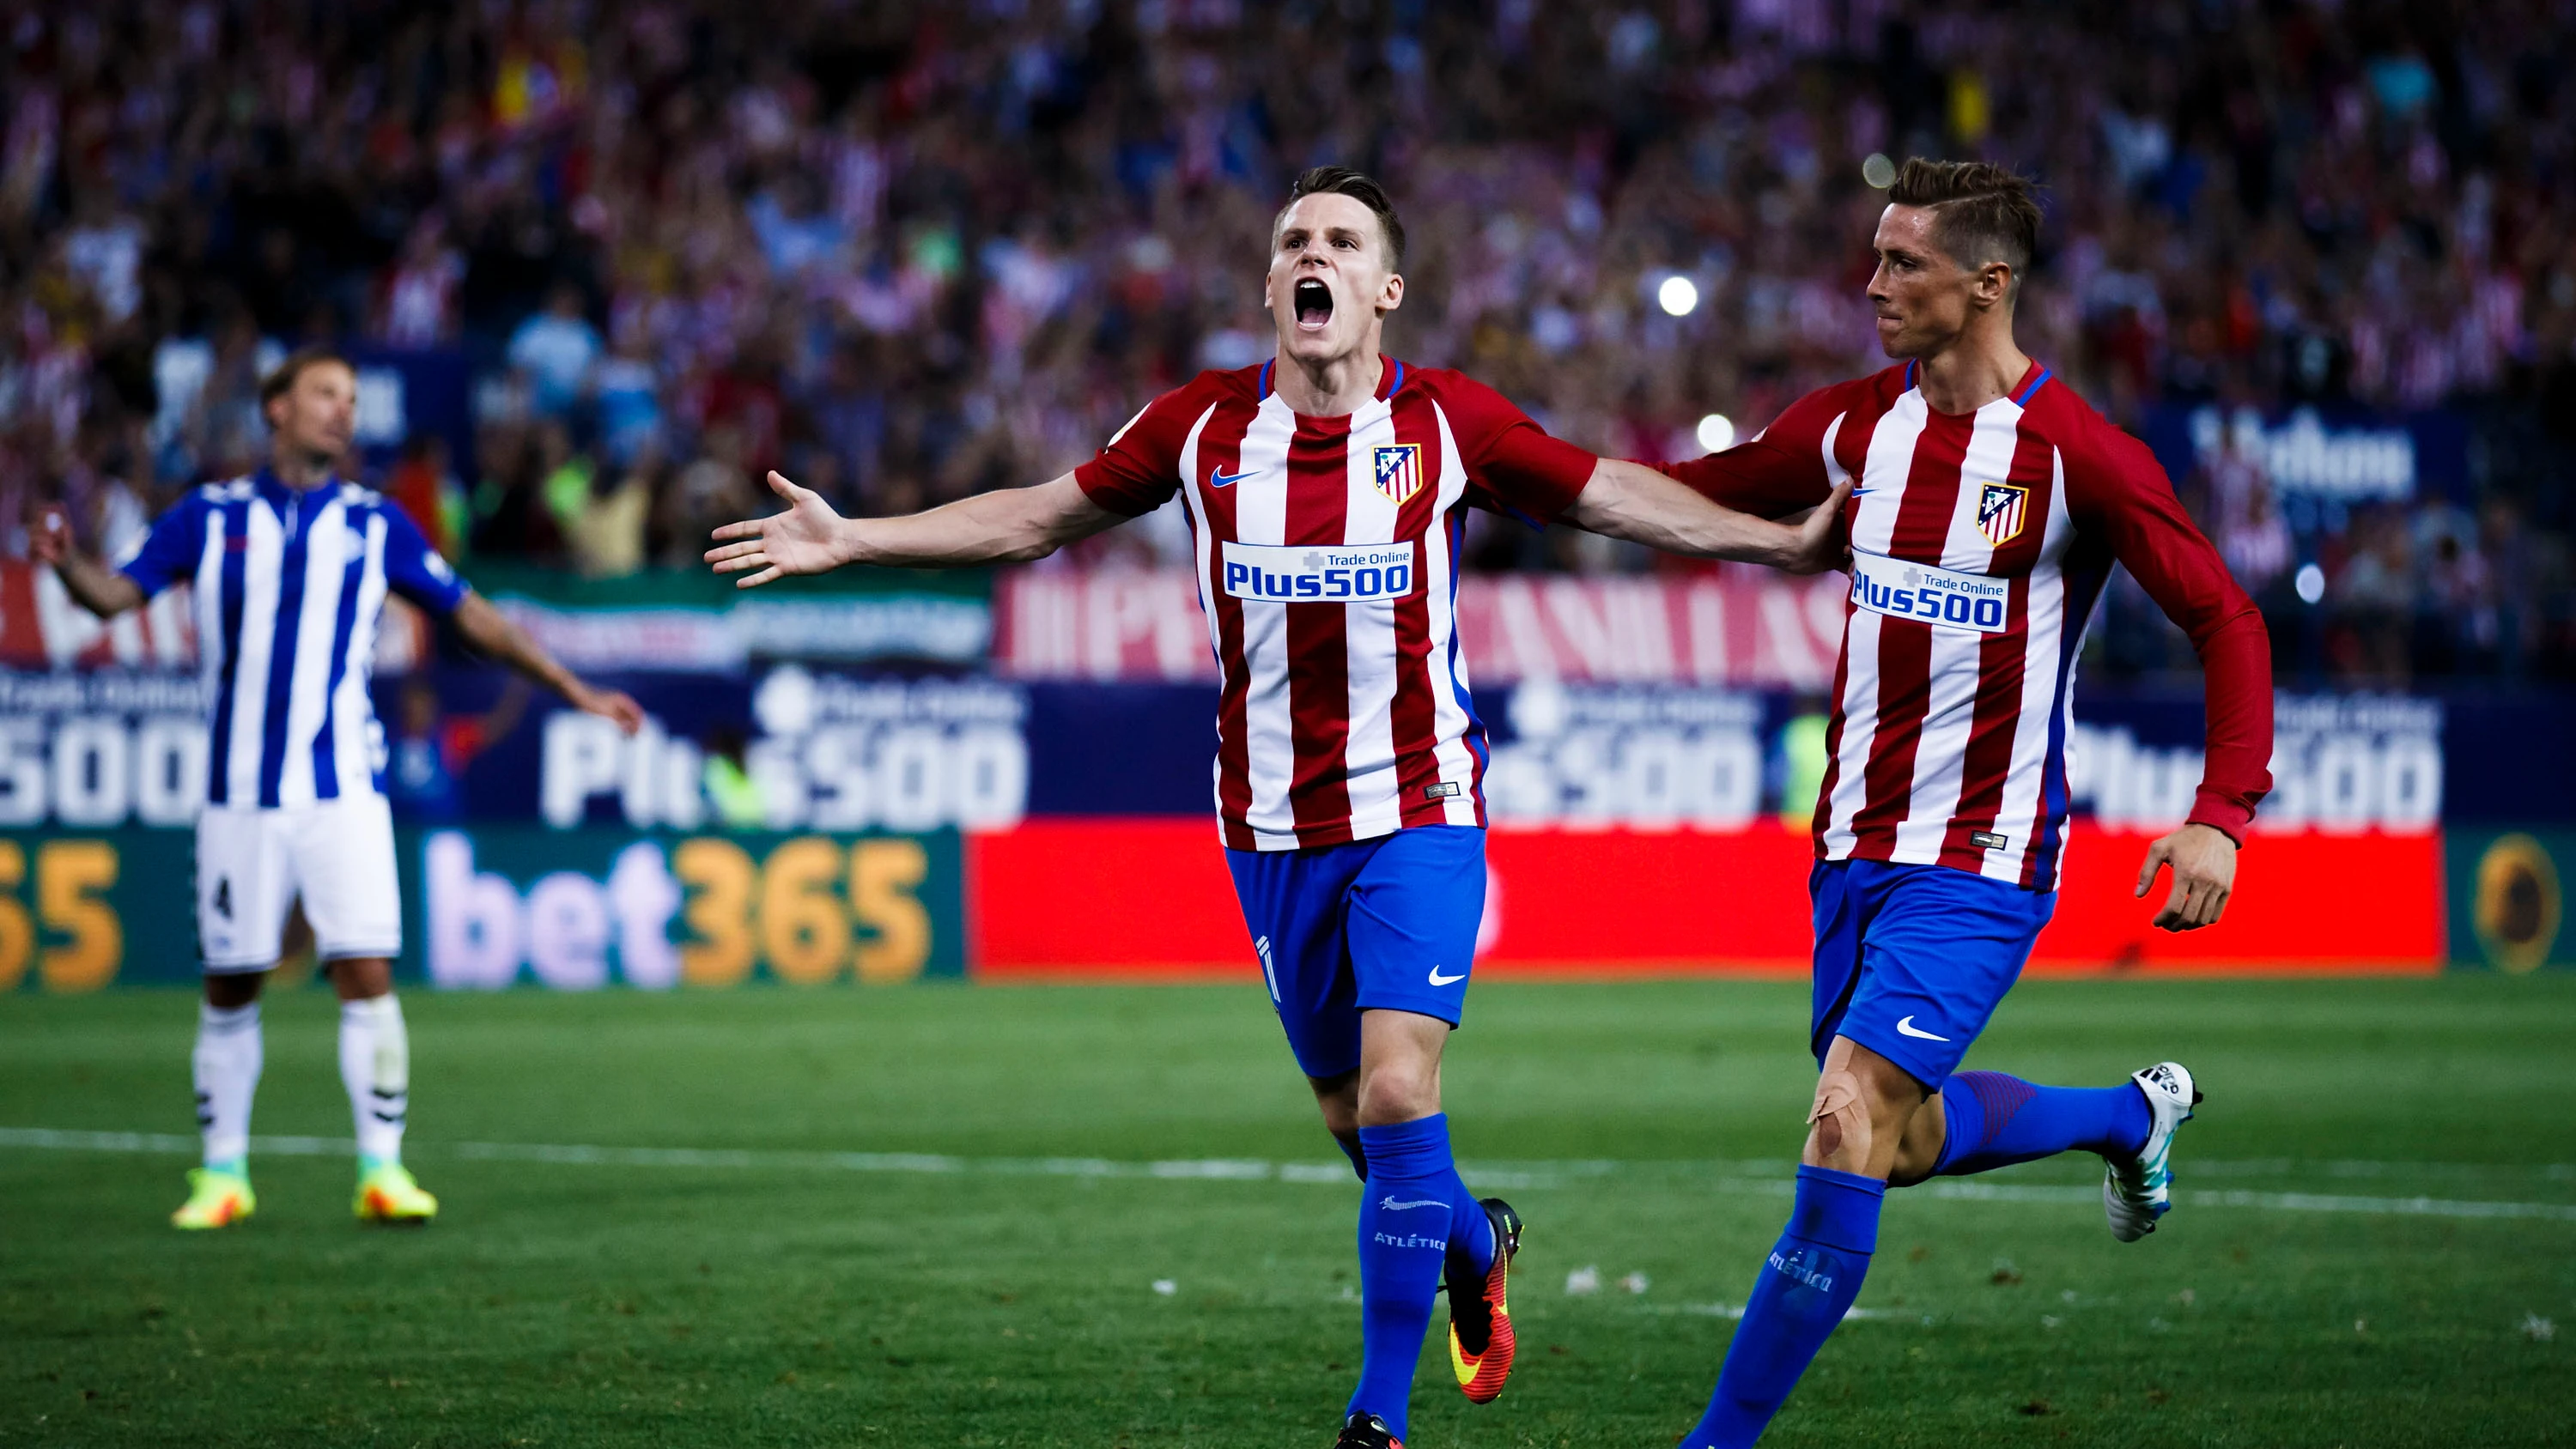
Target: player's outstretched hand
<point>2204,876</point>
<point>613,705</point>
<point>1822,544</point>
<point>806,539</point>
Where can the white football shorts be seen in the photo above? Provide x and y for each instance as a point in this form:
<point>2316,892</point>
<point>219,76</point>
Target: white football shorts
<point>338,855</point>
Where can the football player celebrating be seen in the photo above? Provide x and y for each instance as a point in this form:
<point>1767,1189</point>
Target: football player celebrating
<point>289,569</point>
<point>1992,504</point>
<point>1327,490</point>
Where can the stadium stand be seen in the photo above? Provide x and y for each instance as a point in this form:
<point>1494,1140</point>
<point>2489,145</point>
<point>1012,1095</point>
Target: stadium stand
<point>908,251</point>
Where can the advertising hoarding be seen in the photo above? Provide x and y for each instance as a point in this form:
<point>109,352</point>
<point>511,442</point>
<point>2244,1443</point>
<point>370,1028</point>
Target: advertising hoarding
<point>491,906</point>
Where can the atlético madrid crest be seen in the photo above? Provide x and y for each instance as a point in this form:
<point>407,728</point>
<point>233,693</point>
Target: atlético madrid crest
<point>1399,472</point>
<point>2000,511</point>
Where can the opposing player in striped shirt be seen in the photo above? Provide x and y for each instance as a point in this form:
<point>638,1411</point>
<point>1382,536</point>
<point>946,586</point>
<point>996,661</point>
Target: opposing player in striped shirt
<point>1327,491</point>
<point>1992,504</point>
<point>289,570</point>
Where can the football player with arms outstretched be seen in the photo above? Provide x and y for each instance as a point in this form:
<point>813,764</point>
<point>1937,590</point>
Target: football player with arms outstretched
<point>1327,491</point>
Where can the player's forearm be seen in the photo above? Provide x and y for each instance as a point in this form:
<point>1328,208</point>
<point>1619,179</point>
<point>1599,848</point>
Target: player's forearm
<point>2236,673</point>
<point>1011,525</point>
<point>1633,502</point>
<point>2183,573</point>
<point>1761,478</point>
<point>96,587</point>
<point>492,634</point>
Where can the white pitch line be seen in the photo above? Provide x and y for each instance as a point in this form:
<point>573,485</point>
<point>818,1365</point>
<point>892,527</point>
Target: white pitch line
<point>1229,1169</point>
<point>1735,1311</point>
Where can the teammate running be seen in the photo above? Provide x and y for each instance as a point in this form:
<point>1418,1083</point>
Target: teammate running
<point>1992,504</point>
<point>1327,491</point>
<point>289,569</point>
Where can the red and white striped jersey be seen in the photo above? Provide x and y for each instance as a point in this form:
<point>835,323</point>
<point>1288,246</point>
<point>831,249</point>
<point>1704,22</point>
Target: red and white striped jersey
<point>1980,543</point>
<point>1327,565</point>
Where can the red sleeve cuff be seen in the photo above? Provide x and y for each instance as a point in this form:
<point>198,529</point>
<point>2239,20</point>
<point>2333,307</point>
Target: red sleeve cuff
<point>2222,814</point>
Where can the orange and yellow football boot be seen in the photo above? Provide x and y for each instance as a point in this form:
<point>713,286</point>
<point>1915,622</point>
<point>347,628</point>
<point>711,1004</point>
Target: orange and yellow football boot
<point>217,1198</point>
<point>386,1194</point>
<point>1480,1319</point>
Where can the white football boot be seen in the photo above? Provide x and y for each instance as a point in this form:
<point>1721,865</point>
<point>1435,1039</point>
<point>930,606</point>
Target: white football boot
<point>2137,1192</point>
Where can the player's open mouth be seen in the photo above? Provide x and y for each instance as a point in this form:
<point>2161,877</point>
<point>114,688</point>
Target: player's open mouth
<point>1314,303</point>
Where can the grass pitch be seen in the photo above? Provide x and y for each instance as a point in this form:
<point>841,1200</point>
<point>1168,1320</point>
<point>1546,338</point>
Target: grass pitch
<point>885,1243</point>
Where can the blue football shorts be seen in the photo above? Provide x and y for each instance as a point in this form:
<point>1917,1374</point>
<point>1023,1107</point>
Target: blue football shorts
<point>1384,924</point>
<point>1911,960</point>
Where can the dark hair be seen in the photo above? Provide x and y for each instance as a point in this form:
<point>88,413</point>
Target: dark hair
<point>1343,181</point>
<point>281,379</point>
<point>1981,212</point>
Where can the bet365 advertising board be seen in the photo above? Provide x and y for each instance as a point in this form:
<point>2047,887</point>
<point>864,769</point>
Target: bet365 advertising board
<point>496,906</point>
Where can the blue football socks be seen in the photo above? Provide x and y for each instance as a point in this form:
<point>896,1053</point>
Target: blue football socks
<point>1411,1209</point>
<point>1996,1120</point>
<point>1471,1233</point>
<point>1813,1275</point>
<point>1351,1149</point>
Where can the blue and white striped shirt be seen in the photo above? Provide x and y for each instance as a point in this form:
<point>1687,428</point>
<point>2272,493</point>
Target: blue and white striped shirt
<point>288,587</point>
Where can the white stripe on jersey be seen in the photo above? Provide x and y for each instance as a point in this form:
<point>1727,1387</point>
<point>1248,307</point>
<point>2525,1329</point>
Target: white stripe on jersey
<point>1941,754</point>
<point>1834,474</point>
<point>1202,537</point>
<point>1873,530</point>
<point>2018,815</point>
<point>1269,728</point>
<point>326,557</point>
<point>1448,666</point>
<point>261,559</point>
<point>208,597</point>
<point>355,752</point>
<point>1202,544</point>
<point>1368,636</point>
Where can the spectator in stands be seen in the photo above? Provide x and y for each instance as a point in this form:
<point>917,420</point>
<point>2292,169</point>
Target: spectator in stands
<point>418,307</point>
<point>603,527</point>
<point>2374,598</point>
<point>556,349</point>
<point>430,747</point>
<point>422,485</point>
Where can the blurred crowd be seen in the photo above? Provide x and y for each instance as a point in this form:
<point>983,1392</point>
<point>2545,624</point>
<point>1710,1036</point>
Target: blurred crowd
<point>905,250</point>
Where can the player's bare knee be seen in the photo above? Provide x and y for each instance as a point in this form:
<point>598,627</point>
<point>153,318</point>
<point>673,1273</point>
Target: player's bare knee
<point>1398,1092</point>
<point>1840,1119</point>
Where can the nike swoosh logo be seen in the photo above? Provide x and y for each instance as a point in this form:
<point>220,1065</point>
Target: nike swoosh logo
<point>1439,980</point>
<point>1389,1204</point>
<point>1219,478</point>
<point>1906,1028</point>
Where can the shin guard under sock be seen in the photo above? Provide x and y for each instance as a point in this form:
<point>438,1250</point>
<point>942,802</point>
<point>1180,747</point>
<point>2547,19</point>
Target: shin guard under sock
<point>375,1067</point>
<point>1810,1280</point>
<point>1411,1199</point>
<point>226,1066</point>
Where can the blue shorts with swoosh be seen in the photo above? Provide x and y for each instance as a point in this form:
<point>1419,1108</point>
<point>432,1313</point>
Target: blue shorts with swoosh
<point>1388,923</point>
<point>1912,959</point>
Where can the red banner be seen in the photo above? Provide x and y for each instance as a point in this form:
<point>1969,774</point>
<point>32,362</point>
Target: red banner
<point>1150,898</point>
<point>1733,626</point>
